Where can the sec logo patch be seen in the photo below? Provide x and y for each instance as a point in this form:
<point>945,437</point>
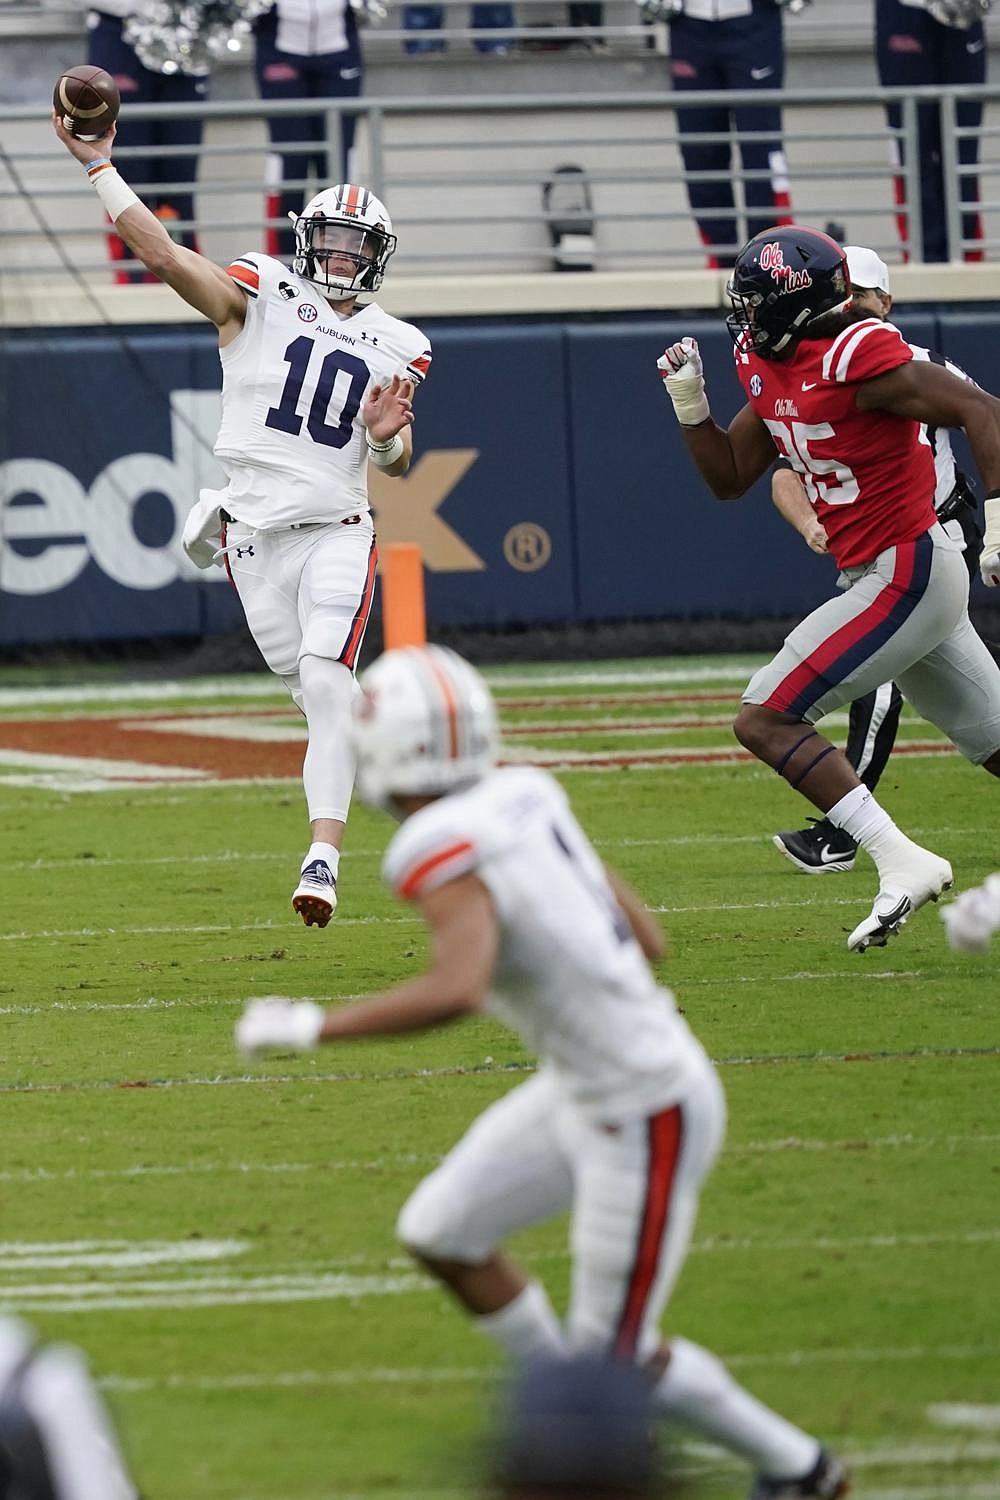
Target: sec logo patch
<point>756,385</point>
<point>308,313</point>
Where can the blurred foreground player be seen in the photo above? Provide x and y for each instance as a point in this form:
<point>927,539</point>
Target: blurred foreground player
<point>626,1114</point>
<point>578,1428</point>
<point>56,1439</point>
<point>972,920</point>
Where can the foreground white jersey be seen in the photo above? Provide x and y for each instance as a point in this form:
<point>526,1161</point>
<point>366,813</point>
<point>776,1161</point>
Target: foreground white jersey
<point>293,384</point>
<point>570,976</point>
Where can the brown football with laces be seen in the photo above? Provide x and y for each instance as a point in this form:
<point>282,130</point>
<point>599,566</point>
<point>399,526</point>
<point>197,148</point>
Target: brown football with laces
<point>87,101</point>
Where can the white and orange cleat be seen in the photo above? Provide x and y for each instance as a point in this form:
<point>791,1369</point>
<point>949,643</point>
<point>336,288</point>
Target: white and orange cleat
<point>315,896</point>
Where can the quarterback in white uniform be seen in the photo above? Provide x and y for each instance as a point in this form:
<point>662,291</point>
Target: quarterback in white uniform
<point>314,389</point>
<point>625,1115</point>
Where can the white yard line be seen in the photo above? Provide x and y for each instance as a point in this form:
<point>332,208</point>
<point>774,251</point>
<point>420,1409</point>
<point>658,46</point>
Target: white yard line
<point>783,1059</point>
<point>265,686</point>
<point>115,1254</point>
<point>410,1159</point>
<point>154,1003</point>
<point>211,1169</point>
<point>585,674</point>
<point>151,1003</point>
<point>817,900</point>
<point>88,1298</point>
<point>92,768</point>
<point>965,1414</point>
<point>280,928</point>
<point>315,1283</point>
<point>225,727</point>
<point>330,1281</point>
<point>238,856</point>
<point>233,1291</point>
<point>976,1452</point>
<point>945,1489</point>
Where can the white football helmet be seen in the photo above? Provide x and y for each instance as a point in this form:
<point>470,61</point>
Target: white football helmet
<point>424,724</point>
<point>343,239</point>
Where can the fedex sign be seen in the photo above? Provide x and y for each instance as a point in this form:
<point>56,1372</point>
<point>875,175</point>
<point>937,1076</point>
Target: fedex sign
<point>51,526</point>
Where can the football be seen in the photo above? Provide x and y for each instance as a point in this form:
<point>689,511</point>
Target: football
<point>87,101</point>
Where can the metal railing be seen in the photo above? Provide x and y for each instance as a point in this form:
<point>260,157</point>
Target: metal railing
<point>462,175</point>
<point>820,29</point>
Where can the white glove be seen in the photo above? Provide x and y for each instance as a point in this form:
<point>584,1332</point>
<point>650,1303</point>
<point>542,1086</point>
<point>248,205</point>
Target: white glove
<point>973,919</point>
<point>277,1024</point>
<point>683,380</point>
<point>660,10</point>
<point>989,558</point>
<point>368,12</point>
<point>202,534</point>
<point>959,13</point>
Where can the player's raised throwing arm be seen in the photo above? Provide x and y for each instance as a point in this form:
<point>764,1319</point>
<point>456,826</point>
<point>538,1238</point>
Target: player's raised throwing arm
<point>729,460</point>
<point>202,284</point>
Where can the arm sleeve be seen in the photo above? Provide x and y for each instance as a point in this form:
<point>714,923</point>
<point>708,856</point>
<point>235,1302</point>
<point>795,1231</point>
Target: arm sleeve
<point>419,364</point>
<point>245,271</point>
<point>413,866</point>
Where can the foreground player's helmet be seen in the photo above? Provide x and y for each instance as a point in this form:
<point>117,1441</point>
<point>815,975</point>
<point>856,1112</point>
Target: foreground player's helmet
<point>424,724</point>
<point>782,281</point>
<point>346,223</point>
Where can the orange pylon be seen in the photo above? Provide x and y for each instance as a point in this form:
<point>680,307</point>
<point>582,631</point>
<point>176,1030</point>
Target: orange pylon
<point>404,617</point>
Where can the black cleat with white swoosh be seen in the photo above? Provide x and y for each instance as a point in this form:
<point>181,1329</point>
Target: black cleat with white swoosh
<point>819,850</point>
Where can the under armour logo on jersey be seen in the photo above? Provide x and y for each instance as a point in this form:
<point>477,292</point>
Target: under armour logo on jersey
<point>245,551</point>
<point>286,290</point>
<point>369,338</point>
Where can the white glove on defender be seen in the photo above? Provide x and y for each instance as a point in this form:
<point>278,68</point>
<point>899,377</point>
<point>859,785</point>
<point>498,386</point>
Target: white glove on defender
<point>989,558</point>
<point>684,382</point>
<point>276,1024</point>
<point>973,919</point>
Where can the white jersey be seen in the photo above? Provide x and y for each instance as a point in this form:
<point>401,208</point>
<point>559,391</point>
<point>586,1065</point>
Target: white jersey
<point>716,10</point>
<point>293,383</point>
<point>311,28</point>
<point>570,976</point>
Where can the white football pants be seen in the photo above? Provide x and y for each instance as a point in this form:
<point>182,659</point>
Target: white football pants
<point>632,1185</point>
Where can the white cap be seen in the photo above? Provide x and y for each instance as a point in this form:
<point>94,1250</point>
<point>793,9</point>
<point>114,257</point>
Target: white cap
<point>865,268</point>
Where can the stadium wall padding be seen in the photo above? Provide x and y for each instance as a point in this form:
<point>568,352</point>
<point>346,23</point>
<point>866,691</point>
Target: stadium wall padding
<point>551,482</point>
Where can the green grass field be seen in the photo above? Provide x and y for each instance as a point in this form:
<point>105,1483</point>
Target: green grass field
<point>219,1236</point>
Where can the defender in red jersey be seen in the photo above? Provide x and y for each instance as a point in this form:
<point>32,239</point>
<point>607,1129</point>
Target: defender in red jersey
<point>842,398</point>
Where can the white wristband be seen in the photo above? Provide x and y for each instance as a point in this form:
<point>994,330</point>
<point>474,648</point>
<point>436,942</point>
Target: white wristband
<point>991,508</point>
<point>113,191</point>
<point>384,455</point>
<point>691,405</point>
